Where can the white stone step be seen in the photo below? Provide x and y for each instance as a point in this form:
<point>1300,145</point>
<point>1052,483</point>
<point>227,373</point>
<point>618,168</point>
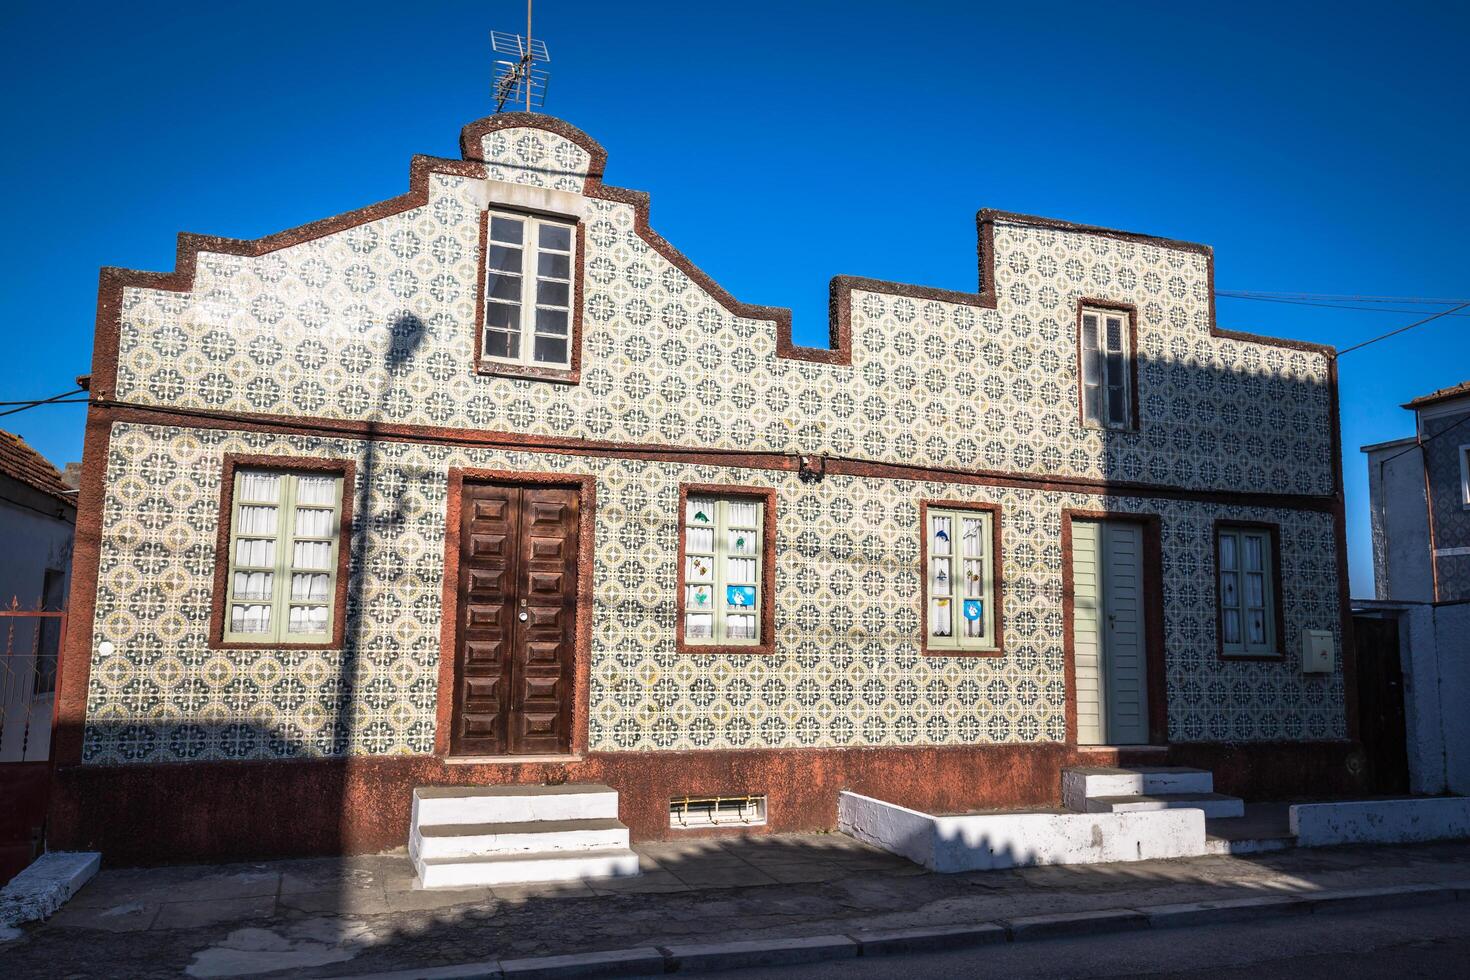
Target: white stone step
<point>451,840</point>
<point>434,805</point>
<point>509,869</point>
<point>1082,782</point>
<point>1214,804</point>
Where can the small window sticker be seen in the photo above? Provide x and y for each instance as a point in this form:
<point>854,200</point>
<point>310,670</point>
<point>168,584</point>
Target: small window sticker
<point>740,596</point>
<point>974,609</point>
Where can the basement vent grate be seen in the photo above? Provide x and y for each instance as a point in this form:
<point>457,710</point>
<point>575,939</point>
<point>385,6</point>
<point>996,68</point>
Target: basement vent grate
<point>746,810</point>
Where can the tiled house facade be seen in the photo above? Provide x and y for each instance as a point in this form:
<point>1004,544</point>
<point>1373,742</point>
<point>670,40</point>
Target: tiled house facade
<point>365,344</point>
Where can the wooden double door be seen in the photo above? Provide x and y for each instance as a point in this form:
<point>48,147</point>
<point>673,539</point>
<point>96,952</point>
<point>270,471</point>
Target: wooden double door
<point>516,619</point>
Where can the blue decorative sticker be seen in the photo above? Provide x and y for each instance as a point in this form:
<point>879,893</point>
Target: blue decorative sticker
<point>740,596</point>
<point>974,609</point>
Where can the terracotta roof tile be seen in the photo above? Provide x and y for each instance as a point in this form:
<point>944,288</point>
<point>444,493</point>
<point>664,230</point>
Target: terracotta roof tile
<point>1443,394</point>
<point>20,462</point>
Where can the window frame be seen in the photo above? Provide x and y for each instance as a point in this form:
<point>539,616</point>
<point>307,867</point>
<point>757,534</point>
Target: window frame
<point>1275,647</point>
<point>766,552</point>
<point>996,590</point>
<point>219,636</point>
<point>1465,475</point>
<point>523,367</point>
<point>1103,309</point>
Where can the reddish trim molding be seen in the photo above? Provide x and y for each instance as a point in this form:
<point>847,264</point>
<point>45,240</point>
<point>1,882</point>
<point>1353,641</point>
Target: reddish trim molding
<point>568,375</point>
<point>1131,312</point>
<point>1153,596</point>
<point>1278,613</point>
<point>586,487</point>
<point>767,640</point>
<point>997,573</point>
<point>299,464</point>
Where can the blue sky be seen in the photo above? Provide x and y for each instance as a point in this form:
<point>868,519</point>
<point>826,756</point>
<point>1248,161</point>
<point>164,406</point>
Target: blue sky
<point>1318,148</point>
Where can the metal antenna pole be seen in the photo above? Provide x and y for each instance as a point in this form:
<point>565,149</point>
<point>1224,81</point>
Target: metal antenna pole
<point>528,55</point>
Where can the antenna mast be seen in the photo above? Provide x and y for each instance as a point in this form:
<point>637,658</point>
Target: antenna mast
<point>520,81</point>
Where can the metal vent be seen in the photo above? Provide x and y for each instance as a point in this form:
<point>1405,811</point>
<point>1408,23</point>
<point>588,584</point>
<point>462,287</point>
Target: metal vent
<point>744,810</point>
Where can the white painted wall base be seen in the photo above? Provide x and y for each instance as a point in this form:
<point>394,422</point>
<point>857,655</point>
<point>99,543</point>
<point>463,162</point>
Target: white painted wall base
<point>45,885</point>
<point>989,841</point>
<point>1381,821</point>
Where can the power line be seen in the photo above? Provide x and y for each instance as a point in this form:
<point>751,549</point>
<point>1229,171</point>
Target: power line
<point>1330,306</point>
<point>1411,326</point>
<point>1420,444</point>
<point>62,399</point>
<point>1338,298</point>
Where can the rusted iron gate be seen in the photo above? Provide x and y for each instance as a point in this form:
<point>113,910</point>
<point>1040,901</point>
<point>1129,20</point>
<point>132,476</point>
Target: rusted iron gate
<point>28,679</point>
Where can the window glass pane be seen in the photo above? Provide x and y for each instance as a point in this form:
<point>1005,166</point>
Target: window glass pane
<point>307,619</point>
<point>739,597</point>
<point>501,344</point>
<point>939,583</point>
<point>313,523</point>
<point>553,293</point>
<point>551,350</point>
<point>551,322</point>
<point>1255,589</point>
<point>255,553</point>
<point>1117,405</point>
<point>941,617</point>
<point>505,230</point>
<point>502,316</point>
<point>320,491</point>
<point>310,586</point>
<point>740,541</point>
<point>1229,590</point>
<point>250,619</point>
<point>700,539</point>
<point>312,554</point>
<point>1092,402</point>
<point>699,597</point>
<point>740,627</point>
<point>556,236</point>
<point>1115,335</point>
<point>1227,552</point>
<point>699,568</point>
<point>554,265</point>
<point>505,287</point>
<point>1252,544</point>
<point>699,626</point>
<point>259,486</point>
<point>1231,621</point>
<point>254,585</point>
<point>744,514</point>
<point>940,535</point>
<point>1089,332</point>
<point>1256,620</point>
<point>504,259</point>
<point>256,520</point>
<point>740,570</point>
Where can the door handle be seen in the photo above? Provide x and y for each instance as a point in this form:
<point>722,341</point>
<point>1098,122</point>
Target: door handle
<point>524,617</point>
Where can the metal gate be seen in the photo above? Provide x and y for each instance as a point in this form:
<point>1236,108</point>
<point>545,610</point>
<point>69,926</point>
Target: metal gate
<point>30,641</point>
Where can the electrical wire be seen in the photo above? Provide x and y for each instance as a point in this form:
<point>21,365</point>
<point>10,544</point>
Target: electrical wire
<point>1335,298</point>
<point>1411,326</point>
<point>1331,306</point>
<point>62,399</point>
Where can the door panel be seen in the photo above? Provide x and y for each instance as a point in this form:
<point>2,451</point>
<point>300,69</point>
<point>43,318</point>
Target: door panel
<point>516,620</point>
<point>1110,656</point>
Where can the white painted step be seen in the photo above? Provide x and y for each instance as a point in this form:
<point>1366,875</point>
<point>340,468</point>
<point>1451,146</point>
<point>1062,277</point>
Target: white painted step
<point>508,869</point>
<point>1080,783</point>
<point>1214,804</point>
<point>434,805</point>
<point>452,840</point>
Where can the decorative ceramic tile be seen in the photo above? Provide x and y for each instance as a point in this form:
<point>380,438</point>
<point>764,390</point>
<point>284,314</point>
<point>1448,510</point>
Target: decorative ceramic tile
<point>847,668</point>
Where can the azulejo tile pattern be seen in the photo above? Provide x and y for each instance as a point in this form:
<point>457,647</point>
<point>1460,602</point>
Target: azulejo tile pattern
<point>847,669</point>
<point>378,322</point>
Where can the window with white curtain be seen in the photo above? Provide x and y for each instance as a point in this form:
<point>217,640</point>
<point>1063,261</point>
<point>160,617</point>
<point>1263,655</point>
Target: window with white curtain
<point>529,290</point>
<point>1247,591</point>
<point>721,552</point>
<point>1104,356</point>
<point>284,536</point>
<point>961,579</point>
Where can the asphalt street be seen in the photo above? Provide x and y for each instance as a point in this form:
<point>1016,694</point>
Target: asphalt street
<point>1433,941</point>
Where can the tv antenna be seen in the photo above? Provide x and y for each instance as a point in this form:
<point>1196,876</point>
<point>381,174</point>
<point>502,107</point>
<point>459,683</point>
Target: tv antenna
<point>520,82</point>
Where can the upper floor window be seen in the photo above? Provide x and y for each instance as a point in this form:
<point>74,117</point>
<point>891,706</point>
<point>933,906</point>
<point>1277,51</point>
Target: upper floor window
<point>528,290</point>
<point>1248,570</point>
<point>960,584</point>
<point>1465,475</point>
<point>1106,368</point>
<point>285,533</point>
<point>727,570</point>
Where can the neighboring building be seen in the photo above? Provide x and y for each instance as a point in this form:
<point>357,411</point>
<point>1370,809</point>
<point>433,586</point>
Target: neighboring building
<point>331,472</point>
<point>38,517</point>
<point>1419,491</point>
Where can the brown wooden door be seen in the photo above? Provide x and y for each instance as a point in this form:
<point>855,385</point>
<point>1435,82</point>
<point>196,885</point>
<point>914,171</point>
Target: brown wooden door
<point>516,620</point>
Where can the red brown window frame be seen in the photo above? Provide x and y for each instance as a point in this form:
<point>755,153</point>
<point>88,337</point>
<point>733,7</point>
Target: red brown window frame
<point>997,577</point>
<point>570,375</point>
<point>1278,607</point>
<point>766,644</point>
<point>295,464</point>
<point>1131,311</point>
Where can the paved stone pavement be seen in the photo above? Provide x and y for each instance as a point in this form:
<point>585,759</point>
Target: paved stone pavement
<point>325,917</point>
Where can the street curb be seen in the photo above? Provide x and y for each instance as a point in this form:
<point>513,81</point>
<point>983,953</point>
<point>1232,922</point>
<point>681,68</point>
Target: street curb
<point>709,957</point>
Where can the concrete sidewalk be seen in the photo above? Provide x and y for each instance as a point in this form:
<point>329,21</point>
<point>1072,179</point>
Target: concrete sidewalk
<point>358,915</point>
